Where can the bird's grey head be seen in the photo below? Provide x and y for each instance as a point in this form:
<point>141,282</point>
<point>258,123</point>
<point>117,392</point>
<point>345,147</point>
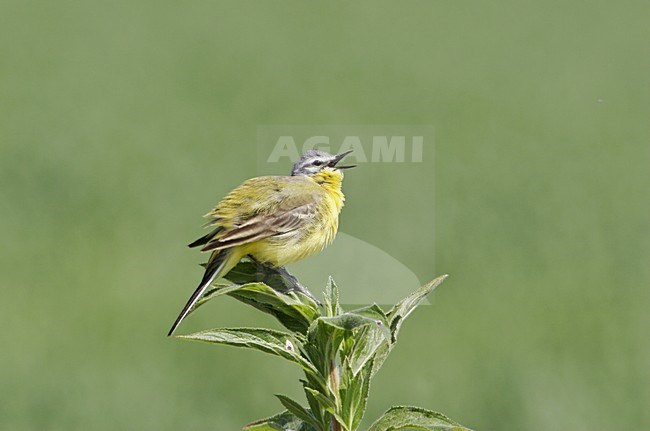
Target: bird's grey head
<point>314,161</point>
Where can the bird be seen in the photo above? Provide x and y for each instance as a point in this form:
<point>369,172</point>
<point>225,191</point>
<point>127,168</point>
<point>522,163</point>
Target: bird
<point>274,220</point>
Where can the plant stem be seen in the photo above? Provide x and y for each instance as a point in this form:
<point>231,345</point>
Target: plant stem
<point>333,378</point>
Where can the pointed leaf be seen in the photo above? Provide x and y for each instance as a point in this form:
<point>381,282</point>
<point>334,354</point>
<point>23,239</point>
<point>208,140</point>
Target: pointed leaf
<point>340,420</point>
<point>269,291</point>
<point>332,306</point>
<point>284,421</point>
<point>397,418</point>
<point>371,331</point>
<point>315,406</point>
<point>353,392</point>
<point>294,314</point>
<point>372,315</point>
<point>349,394</point>
<point>214,291</point>
<point>294,310</point>
<point>322,344</point>
<point>328,404</point>
<point>324,401</point>
<point>403,308</point>
<point>248,271</point>
<point>299,411</point>
<point>397,315</point>
<point>365,376</point>
<point>277,343</point>
<point>367,341</point>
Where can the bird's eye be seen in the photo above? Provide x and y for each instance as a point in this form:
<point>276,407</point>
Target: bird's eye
<point>318,162</point>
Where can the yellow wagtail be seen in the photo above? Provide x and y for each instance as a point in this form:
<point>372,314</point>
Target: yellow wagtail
<point>276,220</point>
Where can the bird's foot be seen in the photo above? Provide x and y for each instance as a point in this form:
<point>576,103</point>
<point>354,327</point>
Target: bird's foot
<point>280,279</point>
<point>296,286</point>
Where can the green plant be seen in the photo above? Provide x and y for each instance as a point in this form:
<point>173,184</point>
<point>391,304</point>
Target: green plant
<point>339,352</point>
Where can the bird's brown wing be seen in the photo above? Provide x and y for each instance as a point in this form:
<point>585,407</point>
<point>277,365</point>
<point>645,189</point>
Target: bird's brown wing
<point>284,219</point>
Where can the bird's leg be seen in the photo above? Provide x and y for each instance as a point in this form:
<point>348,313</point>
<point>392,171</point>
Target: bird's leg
<point>280,279</point>
<point>263,272</point>
<point>295,284</point>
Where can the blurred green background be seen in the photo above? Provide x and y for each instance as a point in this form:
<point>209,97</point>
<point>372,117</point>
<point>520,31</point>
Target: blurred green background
<point>122,122</point>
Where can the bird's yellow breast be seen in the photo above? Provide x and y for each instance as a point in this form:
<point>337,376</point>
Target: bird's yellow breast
<point>324,189</point>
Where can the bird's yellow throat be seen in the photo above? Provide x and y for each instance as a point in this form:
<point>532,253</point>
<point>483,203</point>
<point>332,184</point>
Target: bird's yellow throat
<point>331,180</point>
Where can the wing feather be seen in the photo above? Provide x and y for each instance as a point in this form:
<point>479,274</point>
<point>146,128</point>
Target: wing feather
<point>261,226</point>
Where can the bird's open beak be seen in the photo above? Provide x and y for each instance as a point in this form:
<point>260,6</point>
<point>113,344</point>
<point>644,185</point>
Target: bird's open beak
<point>338,158</point>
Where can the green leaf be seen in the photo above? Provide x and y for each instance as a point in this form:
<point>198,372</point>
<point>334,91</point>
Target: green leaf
<point>397,418</point>
<point>332,306</point>
<point>268,290</point>
<point>398,314</point>
<point>298,410</point>
<point>365,376</point>
<point>277,343</point>
<point>328,404</point>
<point>317,408</point>
<point>340,420</point>
<point>327,333</point>
<point>371,315</point>
<point>324,401</point>
<point>349,393</point>
<point>371,331</point>
<point>367,341</point>
<point>353,392</point>
<point>403,309</point>
<point>289,309</point>
<point>322,344</point>
<point>248,271</point>
<point>284,421</point>
<point>216,290</point>
<point>295,311</point>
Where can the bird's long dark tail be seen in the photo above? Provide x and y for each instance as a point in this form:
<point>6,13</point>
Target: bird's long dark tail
<point>220,262</point>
